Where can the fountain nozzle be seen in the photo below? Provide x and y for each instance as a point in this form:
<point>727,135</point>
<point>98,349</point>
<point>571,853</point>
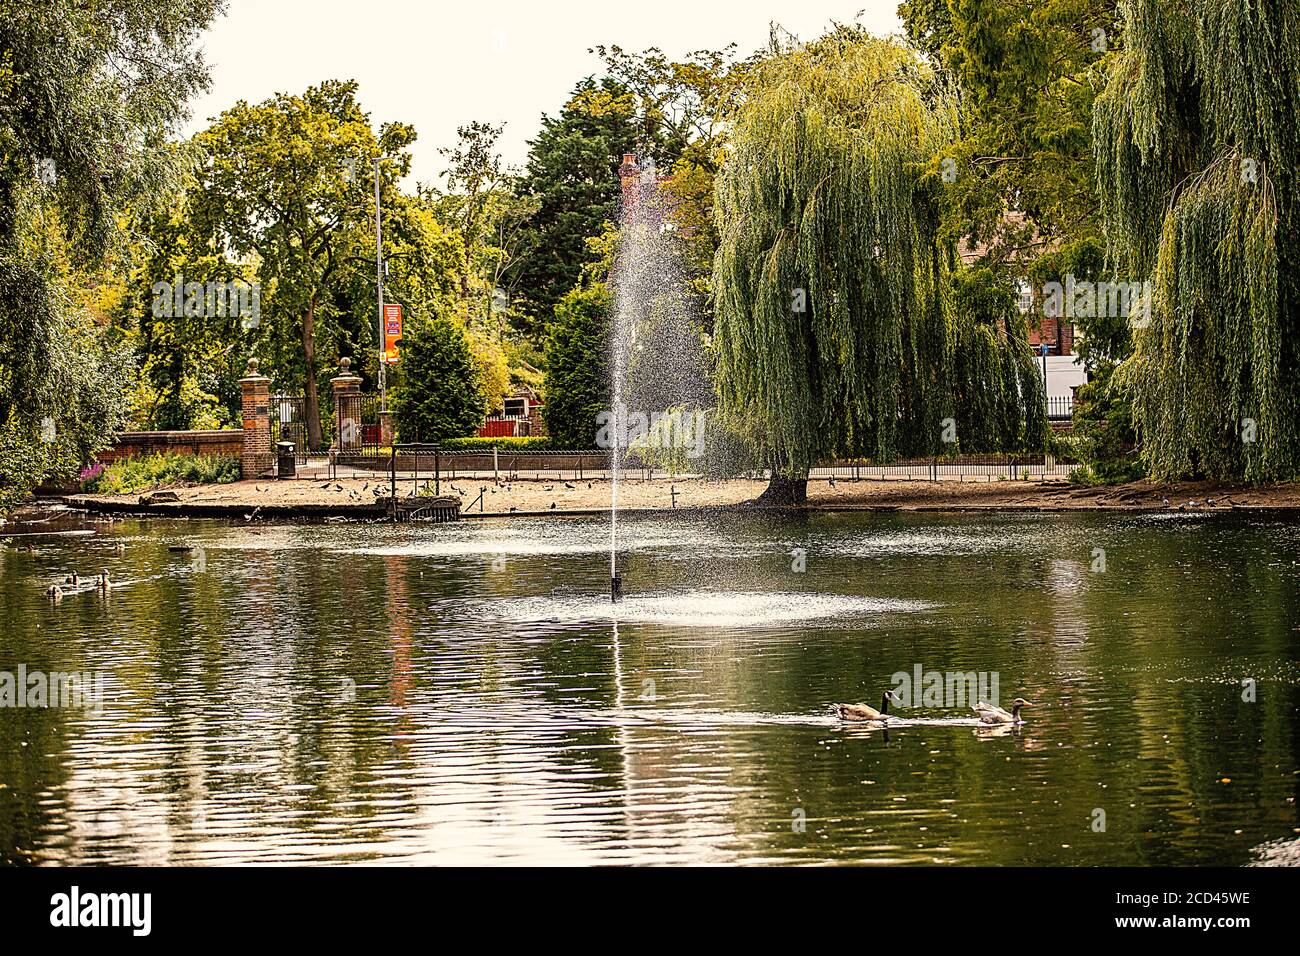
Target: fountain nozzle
<point>616,588</point>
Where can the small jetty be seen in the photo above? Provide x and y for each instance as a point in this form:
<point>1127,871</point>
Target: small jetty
<point>425,508</point>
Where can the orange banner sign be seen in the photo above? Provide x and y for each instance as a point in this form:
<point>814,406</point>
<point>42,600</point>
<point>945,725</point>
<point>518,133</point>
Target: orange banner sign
<point>392,332</point>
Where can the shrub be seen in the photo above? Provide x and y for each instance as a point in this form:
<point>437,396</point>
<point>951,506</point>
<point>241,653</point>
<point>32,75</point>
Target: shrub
<point>132,475</point>
<point>1104,438</point>
<point>539,443</point>
<point>440,395</point>
<point>577,366</point>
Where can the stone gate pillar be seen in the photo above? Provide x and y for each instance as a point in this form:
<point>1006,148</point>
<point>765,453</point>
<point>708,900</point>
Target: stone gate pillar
<point>255,457</point>
<point>347,408</point>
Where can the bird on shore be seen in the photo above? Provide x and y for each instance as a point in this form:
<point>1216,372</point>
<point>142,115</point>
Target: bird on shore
<point>992,714</point>
<point>552,505</point>
<point>570,485</point>
<point>861,712</point>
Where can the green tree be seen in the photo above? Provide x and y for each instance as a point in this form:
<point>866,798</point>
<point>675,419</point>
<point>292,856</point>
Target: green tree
<point>680,109</point>
<point>835,332</point>
<point>482,204</point>
<point>1197,140</point>
<point>286,182</point>
<point>440,394</point>
<point>577,366</point>
<point>187,367</point>
<point>1020,173</point>
<point>88,94</point>
<point>572,174</point>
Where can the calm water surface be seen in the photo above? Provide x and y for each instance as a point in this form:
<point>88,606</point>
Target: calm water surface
<point>464,694</point>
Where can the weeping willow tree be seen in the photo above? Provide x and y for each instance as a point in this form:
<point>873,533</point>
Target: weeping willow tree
<point>836,333</point>
<point>1197,155</point>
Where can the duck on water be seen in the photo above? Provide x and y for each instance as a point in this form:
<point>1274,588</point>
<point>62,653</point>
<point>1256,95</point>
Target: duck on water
<point>985,713</point>
<point>865,712</point>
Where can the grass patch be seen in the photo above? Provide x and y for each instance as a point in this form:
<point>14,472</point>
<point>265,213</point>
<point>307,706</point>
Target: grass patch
<point>134,475</point>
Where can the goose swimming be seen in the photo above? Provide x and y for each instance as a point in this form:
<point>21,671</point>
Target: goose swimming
<point>992,714</point>
<point>860,712</point>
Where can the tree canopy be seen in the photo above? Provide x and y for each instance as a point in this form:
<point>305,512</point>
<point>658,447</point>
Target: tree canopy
<point>1197,139</point>
<point>835,329</point>
<point>89,92</point>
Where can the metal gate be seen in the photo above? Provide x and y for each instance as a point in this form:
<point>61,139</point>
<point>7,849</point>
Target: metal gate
<point>288,415</point>
<point>362,439</point>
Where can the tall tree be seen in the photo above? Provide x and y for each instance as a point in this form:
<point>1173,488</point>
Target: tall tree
<point>483,205</point>
<point>1197,140</point>
<point>1027,72</point>
<point>680,109</point>
<point>89,92</point>
<point>572,174</point>
<point>834,322</point>
<point>288,181</point>
<point>577,366</point>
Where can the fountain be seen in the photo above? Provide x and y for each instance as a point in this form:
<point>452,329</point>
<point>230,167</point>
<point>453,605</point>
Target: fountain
<point>657,367</point>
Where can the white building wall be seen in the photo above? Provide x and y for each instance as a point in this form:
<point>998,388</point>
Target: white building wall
<point>1064,374</point>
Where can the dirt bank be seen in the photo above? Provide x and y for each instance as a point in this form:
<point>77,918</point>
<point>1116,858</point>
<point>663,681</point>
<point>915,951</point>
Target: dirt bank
<point>358,496</point>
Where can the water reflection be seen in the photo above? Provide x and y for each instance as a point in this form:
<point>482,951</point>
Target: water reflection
<point>463,693</point>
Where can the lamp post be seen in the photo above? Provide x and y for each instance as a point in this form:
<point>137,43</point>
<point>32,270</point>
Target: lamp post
<point>379,284</point>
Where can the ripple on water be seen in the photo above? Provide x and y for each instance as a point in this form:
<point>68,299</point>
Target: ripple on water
<point>705,609</point>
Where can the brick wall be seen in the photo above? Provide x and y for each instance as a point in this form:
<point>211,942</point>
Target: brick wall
<point>1057,333</point>
<point>226,443</point>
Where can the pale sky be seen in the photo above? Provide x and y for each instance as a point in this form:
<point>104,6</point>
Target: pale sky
<point>438,65</point>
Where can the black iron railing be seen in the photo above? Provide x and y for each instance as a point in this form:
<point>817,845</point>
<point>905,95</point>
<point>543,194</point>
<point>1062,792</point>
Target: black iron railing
<point>1060,408</point>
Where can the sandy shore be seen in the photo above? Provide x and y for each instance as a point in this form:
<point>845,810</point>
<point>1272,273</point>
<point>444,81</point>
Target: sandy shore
<point>480,497</point>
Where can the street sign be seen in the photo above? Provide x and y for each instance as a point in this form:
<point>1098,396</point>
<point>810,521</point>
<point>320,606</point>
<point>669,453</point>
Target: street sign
<point>392,332</point>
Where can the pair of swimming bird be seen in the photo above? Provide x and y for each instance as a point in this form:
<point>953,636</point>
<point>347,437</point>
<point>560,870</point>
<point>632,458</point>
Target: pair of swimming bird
<point>987,713</point>
<point>102,581</point>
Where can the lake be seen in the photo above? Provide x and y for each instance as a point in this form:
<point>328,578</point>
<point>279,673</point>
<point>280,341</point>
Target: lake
<point>465,693</point>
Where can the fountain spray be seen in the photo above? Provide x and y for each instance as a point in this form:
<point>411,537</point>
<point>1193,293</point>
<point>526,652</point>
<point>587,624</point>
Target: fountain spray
<point>657,364</point>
